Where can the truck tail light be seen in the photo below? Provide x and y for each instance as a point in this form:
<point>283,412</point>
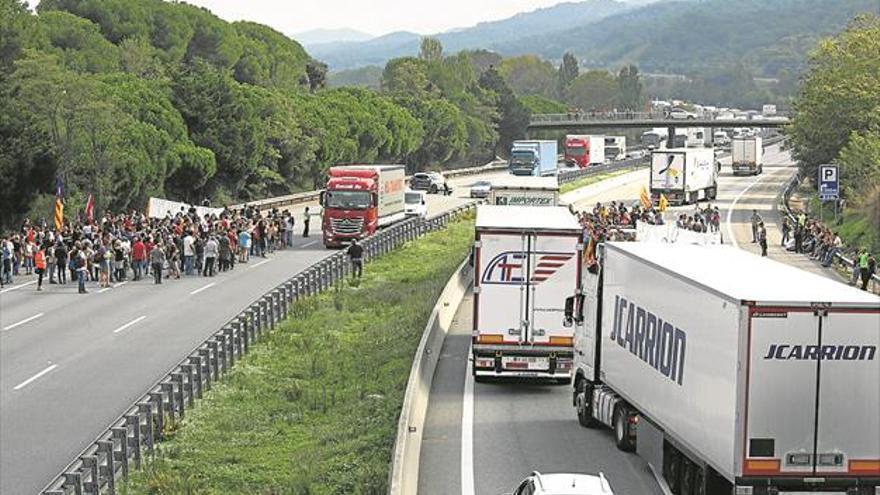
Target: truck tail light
<point>865,466</point>
<point>566,341</point>
<point>799,459</point>
<point>490,339</point>
<point>744,490</point>
<point>831,459</point>
<point>484,362</point>
<point>763,465</point>
<point>563,364</point>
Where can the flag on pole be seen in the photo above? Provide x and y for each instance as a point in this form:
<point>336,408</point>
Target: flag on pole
<point>645,199</point>
<point>59,203</point>
<point>90,208</point>
<point>664,203</point>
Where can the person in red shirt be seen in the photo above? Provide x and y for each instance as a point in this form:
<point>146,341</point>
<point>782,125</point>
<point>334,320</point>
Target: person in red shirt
<point>138,257</point>
<point>149,247</point>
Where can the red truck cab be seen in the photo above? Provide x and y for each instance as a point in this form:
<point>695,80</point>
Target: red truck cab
<point>359,199</point>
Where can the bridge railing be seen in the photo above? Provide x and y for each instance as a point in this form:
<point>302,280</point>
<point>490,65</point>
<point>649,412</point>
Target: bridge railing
<point>134,437</point>
<point>618,116</point>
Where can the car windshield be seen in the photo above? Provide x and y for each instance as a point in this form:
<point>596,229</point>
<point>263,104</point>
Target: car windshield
<point>481,183</point>
<point>348,200</point>
<point>413,198</point>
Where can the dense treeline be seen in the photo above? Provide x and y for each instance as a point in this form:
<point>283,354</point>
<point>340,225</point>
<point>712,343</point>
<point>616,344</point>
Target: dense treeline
<point>838,120</point>
<point>126,99</point>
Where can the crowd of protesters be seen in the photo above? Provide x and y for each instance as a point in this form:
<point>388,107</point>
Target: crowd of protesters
<point>132,246</point>
<point>821,243</point>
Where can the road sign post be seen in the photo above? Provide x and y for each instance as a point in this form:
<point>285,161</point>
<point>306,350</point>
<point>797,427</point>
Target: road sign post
<point>829,183</point>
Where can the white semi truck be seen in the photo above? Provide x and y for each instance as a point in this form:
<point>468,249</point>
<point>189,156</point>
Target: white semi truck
<point>524,191</point>
<point>729,373</point>
<point>526,262</point>
<point>747,155</point>
<point>684,175</point>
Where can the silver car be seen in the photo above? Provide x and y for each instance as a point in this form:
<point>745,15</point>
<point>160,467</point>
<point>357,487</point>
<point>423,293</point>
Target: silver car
<point>480,189</point>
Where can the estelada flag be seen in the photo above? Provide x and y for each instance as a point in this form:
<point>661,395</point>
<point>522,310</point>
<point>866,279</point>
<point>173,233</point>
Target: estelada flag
<point>59,204</point>
<point>90,208</point>
<point>664,203</point>
<point>645,199</point>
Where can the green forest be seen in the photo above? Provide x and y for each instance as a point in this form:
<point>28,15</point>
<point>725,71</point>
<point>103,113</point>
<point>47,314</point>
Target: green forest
<point>127,99</point>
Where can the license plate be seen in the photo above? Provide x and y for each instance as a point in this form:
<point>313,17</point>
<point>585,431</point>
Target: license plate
<point>526,362</point>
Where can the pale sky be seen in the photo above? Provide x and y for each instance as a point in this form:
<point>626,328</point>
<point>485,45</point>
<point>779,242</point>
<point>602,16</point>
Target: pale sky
<point>371,16</point>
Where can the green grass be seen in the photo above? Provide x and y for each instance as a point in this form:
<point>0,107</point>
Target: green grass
<point>313,408</point>
<point>853,225</point>
<point>586,181</point>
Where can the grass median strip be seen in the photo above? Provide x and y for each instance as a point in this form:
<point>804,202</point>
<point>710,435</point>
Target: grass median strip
<point>313,408</point>
<point>586,181</point>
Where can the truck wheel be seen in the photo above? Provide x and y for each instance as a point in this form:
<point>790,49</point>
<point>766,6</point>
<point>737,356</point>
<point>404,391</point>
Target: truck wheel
<point>584,404</point>
<point>433,189</point>
<point>621,430</point>
<point>687,477</point>
<point>699,480</point>
<point>672,468</point>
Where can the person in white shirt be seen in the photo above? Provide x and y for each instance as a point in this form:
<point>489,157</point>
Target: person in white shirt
<point>189,253</point>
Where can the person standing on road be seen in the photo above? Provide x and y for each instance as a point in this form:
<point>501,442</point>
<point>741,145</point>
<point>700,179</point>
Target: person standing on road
<point>306,222</point>
<point>212,250</point>
<point>50,260</point>
<point>61,261</point>
<point>244,245</point>
<point>189,253</point>
<point>40,266</point>
<point>6,253</point>
<point>138,257</point>
<point>868,271</point>
<point>356,253</point>
<point>157,260</point>
<point>756,219</point>
<point>786,231</point>
<point>81,267</point>
<point>762,238</point>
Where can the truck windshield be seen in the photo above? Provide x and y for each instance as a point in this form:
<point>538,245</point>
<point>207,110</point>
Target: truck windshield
<point>522,158</point>
<point>576,151</point>
<point>413,198</point>
<point>348,200</point>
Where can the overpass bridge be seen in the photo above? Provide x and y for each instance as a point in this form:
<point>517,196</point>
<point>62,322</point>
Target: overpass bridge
<point>623,120</point>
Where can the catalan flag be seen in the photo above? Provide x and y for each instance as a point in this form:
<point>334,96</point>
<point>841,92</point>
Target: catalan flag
<point>59,204</point>
<point>645,198</point>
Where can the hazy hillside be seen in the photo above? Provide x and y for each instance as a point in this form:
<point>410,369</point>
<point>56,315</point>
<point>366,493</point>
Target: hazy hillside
<point>680,37</point>
<point>377,51</point>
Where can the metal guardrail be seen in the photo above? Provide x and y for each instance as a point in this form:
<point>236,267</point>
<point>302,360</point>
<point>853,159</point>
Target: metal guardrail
<point>124,444</point>
<point>309,196</point>
<point>566,176</point>
<point>844,262</point>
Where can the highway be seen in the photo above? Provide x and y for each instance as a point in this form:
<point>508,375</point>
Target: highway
<point>70,364</point>
<point>484,438</point>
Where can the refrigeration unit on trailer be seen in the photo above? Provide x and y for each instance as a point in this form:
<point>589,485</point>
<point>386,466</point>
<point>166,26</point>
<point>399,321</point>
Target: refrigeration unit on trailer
<point>524,191</point>
<point>730,373</point>
<point>526,259</point>
<point>684,175</point>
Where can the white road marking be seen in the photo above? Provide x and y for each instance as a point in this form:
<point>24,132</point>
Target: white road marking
<point>120,284</point>
<point>212,284</point>
<point>467,431</point>
<point>10,289</point>
<point>105,289</point>
<point>310,243</point>
<point>35,377</point>
<point>132,322</point>
<point>260,263</point>
<point>22,322</point>
<point>733,206</point>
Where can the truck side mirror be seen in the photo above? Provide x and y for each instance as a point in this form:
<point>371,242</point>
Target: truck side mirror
<point>375,198</point>
<point>569,312</point>
<point>321,198</point>
<point>579,309</point>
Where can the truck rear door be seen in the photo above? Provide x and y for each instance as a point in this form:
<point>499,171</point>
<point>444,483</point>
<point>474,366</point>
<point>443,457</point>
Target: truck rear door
<point>554,275</point>
<point>499,312</point>
<point>812,401</point>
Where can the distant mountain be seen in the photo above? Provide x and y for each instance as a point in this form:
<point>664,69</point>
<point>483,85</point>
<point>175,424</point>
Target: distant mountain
<point>682,37</point>
<point>319,36</point>
<point>377,51</point>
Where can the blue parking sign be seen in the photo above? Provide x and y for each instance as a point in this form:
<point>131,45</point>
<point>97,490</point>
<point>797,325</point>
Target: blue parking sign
<point>829,183</point>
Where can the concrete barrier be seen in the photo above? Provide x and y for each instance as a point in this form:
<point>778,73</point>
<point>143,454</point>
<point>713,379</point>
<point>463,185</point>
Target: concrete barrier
<point>408,445</point>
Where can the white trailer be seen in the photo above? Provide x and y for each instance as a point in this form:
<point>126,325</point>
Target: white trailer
<point>728,372</point>
<point>526,262</point>
<point>684,175</point>
<point>524,191</point>
<point>747,155</point>
<point>615,148</point>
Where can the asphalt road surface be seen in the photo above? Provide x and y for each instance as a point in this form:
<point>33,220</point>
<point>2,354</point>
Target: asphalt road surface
<point>70,364</point>
<point>484,438</point>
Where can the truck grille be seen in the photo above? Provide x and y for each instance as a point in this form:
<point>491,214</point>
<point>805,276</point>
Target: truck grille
<point>347,225</point>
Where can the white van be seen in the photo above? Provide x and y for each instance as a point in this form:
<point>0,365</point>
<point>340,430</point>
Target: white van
<point>416,204</point>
